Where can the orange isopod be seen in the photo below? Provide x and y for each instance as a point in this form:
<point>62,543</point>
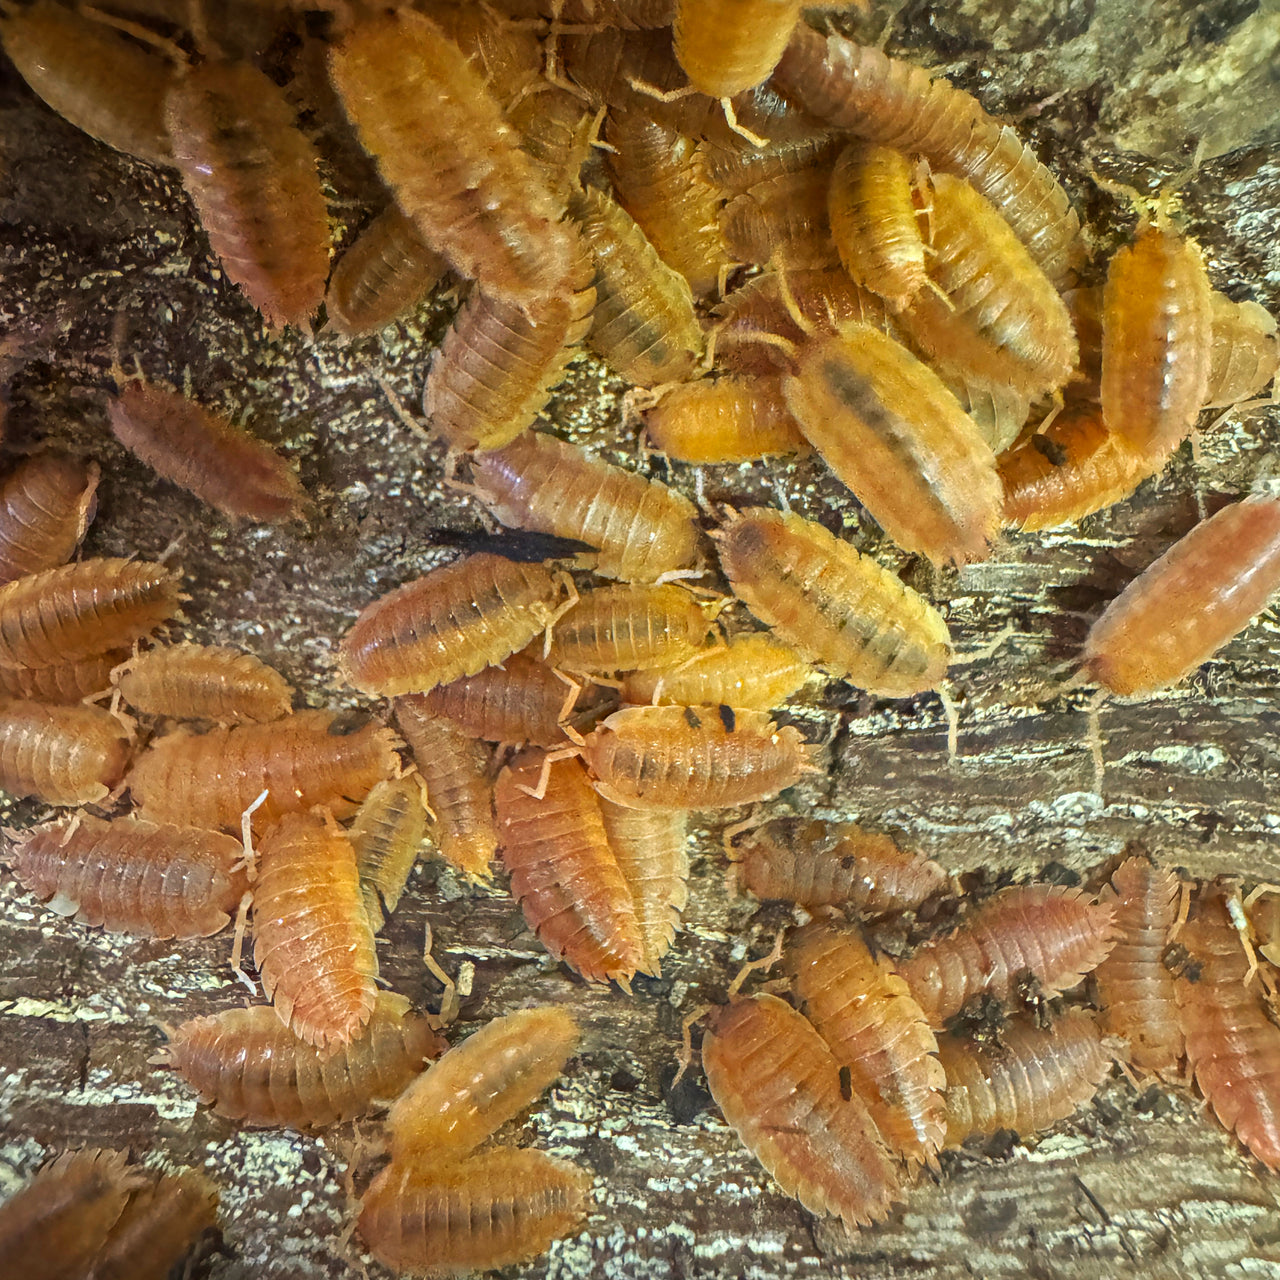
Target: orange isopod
<point>252,174</point>
<point>629,627</point>
<point>252,1068</point>
<point>880,99</point>
<point>383,275</point>
<point>865,1012</point>
<point>312,942</point>
<point>873,222</point>
<point>496,1209</point>
<point>628,14</point>
<point>558,132</point>
<point>732,419</point>
<point>453,622</point>
<point>564,873</point>
<point>753,671</point>
<point>204,682</point>
<point>129,876</point>
<point>83,610</point>
<point>642,529</point>
<point>736,169</point>
<point>424,112</point>
<point>61,755</point>
<point>693,757</point>
<point>158,1228</point>
<point>778,1085</point>
<point>508,55</point>
<point>1035,1077</point>
<point>1245,353</point>
<point>1052,933</point>
<point>480,1084</point>
<point>1135,988</point>
<point>1203,591</point>
<point>1232,1045</point>
<point>782,220</point>
<point>643,325</point>
<point>387,834</point>
<point>837,608</point>
<point>67,683</point>
<point>456,769</point>
<point>995,314</point>
<point>46,505</point>
<point>1157,337</point>
<point>835,864</point>
<point>726,46</point>
<point>210,779</point>
<point>889,429</point>
<point>1264,917</point>
<point>202,452</point>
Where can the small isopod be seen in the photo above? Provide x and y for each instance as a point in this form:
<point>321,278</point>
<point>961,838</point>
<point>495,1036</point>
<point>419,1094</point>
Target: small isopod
<point>999,412</point>
<point>161,1223</point>
<point>837,608</point>
<point>1052,933</point>
<point>204,682</point>
<point>778,1085</point>
<point>558,131</point>
<point>129,876</point>
<point>313,944</point>
<point>753,672</point>
<point>453,622</point>
<point>782,220</point>
<point>387,834</point>
<point>62,755</point>
<point>46,505</point>
<point>726,46</point>
<point>1245,353</point>
<point>252,1068</point>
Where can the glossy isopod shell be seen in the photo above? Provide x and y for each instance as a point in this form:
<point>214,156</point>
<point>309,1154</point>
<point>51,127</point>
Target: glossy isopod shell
<point>496,1209</point>
<point>782,220</point>
<point>481,1083</point>
<point>1245,353</point>
<point>313,944</point>
<point>204,682</point>
<point>753,672</point>
<point>737,168</point>
<point>158,1228</point>
<point>209,779</point>
<point>252,1068</point>
<point>726,46</point>
<point>837,608</point>
<point>387,834</point>
<point>1053,933</point>
<point>453,622</point>
<point>558,131</point>
<point>46,505</point>
<point>129,876</point>
<point>733,419</point>
<point>63,685</point>
<point>1203,591</point>
<point>83,610</point>
<point>1033,1079</point>
<point>564,873</point>
<point>778,1085</point>
<point>642,528</point>
<point>61,755</point>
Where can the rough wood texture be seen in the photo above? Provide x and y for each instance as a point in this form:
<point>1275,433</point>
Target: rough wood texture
<point>1138,1185</point>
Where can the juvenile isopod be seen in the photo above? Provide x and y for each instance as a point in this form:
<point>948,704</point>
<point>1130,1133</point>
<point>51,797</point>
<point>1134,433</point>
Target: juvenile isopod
<point>999,412</point>
<point>62,755</point>
<point>783,220</point>
<point>160,1225</point>
<point>778,1085</point>
<point>481,1083</point>
<point>835,864</point>
<point>753,671</point>
<point>1245,353</point>
<point>726,46</point>
<point>204,682</point>
<point>46,506</point>
<point>83,610</point>
<point>210,779</point>
<point>837,608</point>
<point>129,876</point>
<point>733,419</point>
<point>564,872</point>
<point>642,529</point>
<point>1049,934</point>
<point>1135,988</point>
<point>1031,1080</point>
<point>67,683</point>
<point>1203,591</point>
<point>693,757</point>
<point>387,834</point>
<point>456,770</point>
<point>866,1014</point>
<point>252,1068</point>
<point>313,944</point>
<point>558,132</point>
<point>496,1209</point>
<point>453,622</point>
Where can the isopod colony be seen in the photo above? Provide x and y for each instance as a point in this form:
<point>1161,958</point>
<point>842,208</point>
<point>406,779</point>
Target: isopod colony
<point>785,244</point>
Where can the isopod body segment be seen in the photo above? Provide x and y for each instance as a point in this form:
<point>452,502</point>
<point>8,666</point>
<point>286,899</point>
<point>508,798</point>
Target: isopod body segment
<point>62,755</point>
<point>46,505</point>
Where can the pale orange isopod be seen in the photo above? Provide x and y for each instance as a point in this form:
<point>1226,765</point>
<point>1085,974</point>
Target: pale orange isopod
<point>158,1228</point>
<point>731,419</point>
<point>999,412</point>
<point>1245,353</point>
<point>62,755</point>
<point>726,46</point>
<point>46,505</point>
<point>753,672</point>
<point>558,131</point>
<point>782,220</point>
<point>204,682</point>
<point>387,834</point>
<point>64,684</point>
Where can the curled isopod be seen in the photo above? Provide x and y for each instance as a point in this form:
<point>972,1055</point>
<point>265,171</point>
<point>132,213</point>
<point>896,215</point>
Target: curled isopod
<point>642,529</point>
<point>387,834</point>
<point>204,682</point>
<point>1203,591</point>
<point>782,220</point>
<point>251,1067</point>
<point>1245,353</point>
<point>835,864</point>
<point>778,1085</point>
<point>130,876</point>
<point>160,1225</point>
<point>453,622</point>
<point>726,46</point>
<point>1031,1080</point>
<point>313,944</point>
<point>733,419</point>
<point>62,755</point>
<point>1050,934</point>
<point>838,608</point>
<point>46,505</point>
<point>753,671</point>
